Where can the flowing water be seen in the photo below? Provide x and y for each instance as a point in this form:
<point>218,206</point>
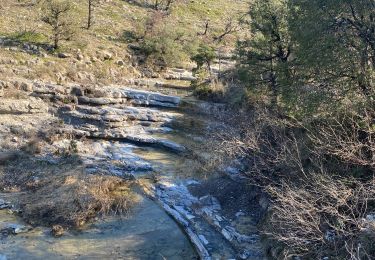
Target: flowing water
<point>148,233</point>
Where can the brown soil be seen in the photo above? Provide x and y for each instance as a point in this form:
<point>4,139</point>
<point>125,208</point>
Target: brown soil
<point>233,196</point>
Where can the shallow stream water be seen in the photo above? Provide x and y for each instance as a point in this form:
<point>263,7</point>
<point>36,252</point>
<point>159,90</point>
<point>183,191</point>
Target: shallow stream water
<point>148,232</point>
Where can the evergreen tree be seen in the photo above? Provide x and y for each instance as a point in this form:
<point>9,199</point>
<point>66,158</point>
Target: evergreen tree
<point>265,58</point>
<point>336,42</point>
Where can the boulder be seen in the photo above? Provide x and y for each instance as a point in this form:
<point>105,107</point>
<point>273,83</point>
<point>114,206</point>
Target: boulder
<point>172,146</point>
<point>77,91</point>
<point>53,89</point>
<point>151,98</point>
<point>4,204</point>
<point>57,230</point>
<point>80,57</point>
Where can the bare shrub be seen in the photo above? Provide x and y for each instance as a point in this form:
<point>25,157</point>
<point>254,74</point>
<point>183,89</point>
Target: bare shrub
<point>57,14</point>
<point>269,146</point>
<point>351,138</point>
<point>320,217</point>
<point>310,171</point>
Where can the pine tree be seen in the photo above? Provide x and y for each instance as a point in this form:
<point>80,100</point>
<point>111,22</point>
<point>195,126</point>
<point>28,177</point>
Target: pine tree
<point>336,42</point>
<point>265,57</point>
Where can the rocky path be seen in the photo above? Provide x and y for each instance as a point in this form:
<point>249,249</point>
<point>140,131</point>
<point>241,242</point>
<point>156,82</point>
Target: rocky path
<point>139,133</point>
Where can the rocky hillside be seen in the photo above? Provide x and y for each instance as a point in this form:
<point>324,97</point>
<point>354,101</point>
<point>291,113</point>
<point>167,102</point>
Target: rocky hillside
<point>109,52</point>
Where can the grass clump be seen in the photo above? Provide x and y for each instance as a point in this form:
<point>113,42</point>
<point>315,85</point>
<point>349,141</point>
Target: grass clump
<point>62,193</point>
<point>30,37</point>
<point>73,198</point>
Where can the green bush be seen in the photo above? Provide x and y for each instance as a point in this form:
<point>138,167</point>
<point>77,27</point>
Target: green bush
<point>204,56</point>
<point>162,50</point>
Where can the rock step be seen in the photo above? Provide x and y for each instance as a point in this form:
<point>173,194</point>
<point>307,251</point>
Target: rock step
<point>95,95</point>
<point>121,114</point>
<point>139,137</point>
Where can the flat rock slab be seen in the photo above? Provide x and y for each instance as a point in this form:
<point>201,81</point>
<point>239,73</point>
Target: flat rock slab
<point>153,98</point>
<point>98,101</point>
<point>121,114</point>
<point>164,143</point>
<point>23,106</point>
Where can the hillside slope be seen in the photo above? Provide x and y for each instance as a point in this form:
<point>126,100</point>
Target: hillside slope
<point>102,54</point>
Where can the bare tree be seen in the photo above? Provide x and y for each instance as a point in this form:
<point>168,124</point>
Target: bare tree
<point>206,27</point>
<point>163,4</point>
<point>91,6</point>
<point>56,14</point>
<point>232,26</point>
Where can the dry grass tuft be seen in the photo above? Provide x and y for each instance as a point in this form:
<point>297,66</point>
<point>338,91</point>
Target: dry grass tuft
<point>73,198</point>
<point>13,93</point>
<point>34,146</point>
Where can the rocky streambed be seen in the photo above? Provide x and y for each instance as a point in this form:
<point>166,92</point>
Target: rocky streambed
<point>155,140</point>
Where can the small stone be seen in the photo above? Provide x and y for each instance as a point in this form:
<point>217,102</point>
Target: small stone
<point>120,63</point>
<point>107,55</point>
<point>203,239</point>
<point>227,234</point>
<point>26,87</point>
<point>63,55</point>
<point>239,214</point>
<point>370,217</point>
<point>94,59</point>
<point>77,91</point>
<point>57,230</point>
<point>80,56</point>
<point>50,63</point>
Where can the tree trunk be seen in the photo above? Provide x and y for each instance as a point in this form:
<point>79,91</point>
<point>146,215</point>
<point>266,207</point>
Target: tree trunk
<point>363,80</point>
<point>89,18</point>
<point>274,91</point>
<point>56,41</point>
<point>273,82</point>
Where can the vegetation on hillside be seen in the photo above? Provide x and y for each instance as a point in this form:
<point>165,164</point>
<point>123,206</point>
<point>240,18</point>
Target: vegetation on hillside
<point>107,41</point>
<point>306,133</point>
